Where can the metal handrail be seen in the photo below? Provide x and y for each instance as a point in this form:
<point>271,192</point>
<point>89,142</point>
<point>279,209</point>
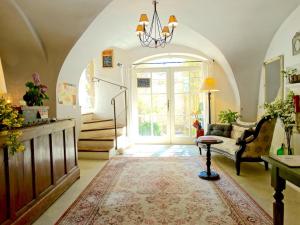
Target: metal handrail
<point>113,102</point>
<point>97,79</point>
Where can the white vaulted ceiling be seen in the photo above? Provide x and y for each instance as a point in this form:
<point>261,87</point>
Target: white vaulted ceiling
<point>237,34</point>
<point>234,32</point>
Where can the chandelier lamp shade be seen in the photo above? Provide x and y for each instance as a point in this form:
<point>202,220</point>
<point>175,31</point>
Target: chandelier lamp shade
<point>153,34</point>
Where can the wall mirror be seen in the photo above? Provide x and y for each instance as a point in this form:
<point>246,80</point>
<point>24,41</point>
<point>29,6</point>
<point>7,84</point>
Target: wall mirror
<point>273,78</point>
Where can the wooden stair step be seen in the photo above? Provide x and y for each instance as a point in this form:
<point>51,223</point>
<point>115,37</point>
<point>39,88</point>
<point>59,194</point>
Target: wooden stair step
<point>93,150</point>
<point>97,139</point>
<point>102,128</point>
<point>98,121</point>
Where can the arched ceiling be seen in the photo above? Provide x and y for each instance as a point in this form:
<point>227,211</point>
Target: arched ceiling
<point>35,33</point>
<point>240,30</point>
<point>36,36</point>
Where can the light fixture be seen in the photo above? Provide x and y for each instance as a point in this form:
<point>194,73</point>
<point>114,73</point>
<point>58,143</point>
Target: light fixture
<point>209,86</point>
<point>156,35</point>
<point>3,90</point>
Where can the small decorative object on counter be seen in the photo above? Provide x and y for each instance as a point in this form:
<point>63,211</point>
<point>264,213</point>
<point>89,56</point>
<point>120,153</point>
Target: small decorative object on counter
<point>36,93</point>
<point>280,151</point>
<point>35,112</point>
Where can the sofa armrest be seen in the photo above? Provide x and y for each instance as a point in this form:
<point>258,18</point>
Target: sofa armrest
<point>247,136</point>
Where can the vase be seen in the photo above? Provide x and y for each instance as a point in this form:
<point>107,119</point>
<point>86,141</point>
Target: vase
<point>34,114</point>
<point>289,133</point>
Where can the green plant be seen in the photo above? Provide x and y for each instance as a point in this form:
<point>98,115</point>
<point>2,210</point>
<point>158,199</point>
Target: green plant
<point>289,72</point>
<point>228,116</point>
<point>284,110</point>
<point>10,119</point>
<point>145,129</point>
<point>36,93</point>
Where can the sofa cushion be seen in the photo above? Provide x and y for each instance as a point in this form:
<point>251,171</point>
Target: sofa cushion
<point>223,130</point>
<point>237,131</point>
<point>228,145</point>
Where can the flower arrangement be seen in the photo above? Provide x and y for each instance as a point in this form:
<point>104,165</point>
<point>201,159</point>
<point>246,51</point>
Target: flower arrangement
<point>228,116</point>
<point>9,120</point>
<point>284,110</point>
<point>36,93</point>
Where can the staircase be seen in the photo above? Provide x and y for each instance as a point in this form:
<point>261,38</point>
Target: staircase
<point>97,138</point>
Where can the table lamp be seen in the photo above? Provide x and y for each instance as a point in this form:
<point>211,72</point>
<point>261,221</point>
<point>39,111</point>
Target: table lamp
<point>209,86</point>
<point>3,90</point>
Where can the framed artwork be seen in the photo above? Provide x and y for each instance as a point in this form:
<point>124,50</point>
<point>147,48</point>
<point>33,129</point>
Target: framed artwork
<point>296,44</point>
<point>67,94</point>
<point>107,58</point>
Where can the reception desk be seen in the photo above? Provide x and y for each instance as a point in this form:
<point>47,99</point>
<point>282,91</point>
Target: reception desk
<point>32,180</point>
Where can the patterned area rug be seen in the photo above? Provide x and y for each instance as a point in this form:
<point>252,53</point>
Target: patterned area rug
<point>167,191</point>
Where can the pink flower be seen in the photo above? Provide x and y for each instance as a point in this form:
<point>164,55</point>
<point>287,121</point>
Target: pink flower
<point>43,88</point>
<point>36,79</point>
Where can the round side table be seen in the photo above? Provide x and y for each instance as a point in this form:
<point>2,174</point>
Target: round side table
<point>208,141</point>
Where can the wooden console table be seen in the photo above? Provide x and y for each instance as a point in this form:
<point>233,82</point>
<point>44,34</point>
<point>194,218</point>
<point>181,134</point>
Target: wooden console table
<point>281,173</point>
<point>32,180</point>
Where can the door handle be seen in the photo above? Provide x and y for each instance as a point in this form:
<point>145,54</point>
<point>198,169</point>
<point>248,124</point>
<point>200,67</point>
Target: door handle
<point>168,105</point>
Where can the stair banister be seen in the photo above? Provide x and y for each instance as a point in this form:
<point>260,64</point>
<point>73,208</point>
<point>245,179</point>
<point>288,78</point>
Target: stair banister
<point>123,89</point>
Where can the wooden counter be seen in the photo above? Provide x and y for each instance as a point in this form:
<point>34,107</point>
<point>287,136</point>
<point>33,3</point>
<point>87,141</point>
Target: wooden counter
<point>32,180</point>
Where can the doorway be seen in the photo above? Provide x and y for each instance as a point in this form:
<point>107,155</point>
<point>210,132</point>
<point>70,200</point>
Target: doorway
<point>168,100</point>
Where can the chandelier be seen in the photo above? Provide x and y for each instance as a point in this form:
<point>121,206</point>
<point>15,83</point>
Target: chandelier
<point>155,35</point>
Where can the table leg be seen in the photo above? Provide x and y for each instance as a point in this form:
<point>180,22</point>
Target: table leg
<point>208,174</point>
<point>278,207</point>
<point>208,159</point>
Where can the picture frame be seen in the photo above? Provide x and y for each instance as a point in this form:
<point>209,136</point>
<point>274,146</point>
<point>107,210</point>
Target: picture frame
<point>107,58</point>
<point>296,44</point>
<point>273,79</point>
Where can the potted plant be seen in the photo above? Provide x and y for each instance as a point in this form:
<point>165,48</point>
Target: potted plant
<point>284,110</point>
<point>291,75</point>
<point>228,116</point>
<point>34,98</point>
<point>10,120</point>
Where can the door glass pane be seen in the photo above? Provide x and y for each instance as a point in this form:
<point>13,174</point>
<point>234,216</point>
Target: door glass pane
<point>188,102</point>
<point>153,105</point>
<point>182,126</point>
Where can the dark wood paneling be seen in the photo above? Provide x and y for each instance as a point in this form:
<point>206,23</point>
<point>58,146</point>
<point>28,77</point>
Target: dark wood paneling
<point>3,189</point>
<point>21,175</point>
<point>43,176</point>
<point>32,180</point>
<point>58,155</point>
<point>70,149</point>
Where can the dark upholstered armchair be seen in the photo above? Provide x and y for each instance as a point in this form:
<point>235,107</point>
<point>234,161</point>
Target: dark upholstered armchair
<point>249,147</point>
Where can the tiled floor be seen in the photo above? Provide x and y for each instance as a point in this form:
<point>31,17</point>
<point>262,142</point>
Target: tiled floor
<point>254,179</point>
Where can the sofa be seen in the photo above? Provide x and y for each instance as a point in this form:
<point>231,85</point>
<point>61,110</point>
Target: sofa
<point>243,143</point>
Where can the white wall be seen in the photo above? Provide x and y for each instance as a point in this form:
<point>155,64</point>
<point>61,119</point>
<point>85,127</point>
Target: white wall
<point>224,99</point>
<point>105,92</point>
<point>281,44</point>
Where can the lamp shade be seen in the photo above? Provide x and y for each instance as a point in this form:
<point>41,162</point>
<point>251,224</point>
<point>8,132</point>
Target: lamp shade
<point>209,85</point>
<point>2,81</point>
<point>144,20</point>
<point>173,21</point>
<point>139,29</point>
<point>165,31</point>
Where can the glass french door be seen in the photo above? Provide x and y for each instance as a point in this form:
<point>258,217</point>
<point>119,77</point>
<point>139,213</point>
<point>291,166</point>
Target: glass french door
<point>167,102</point>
